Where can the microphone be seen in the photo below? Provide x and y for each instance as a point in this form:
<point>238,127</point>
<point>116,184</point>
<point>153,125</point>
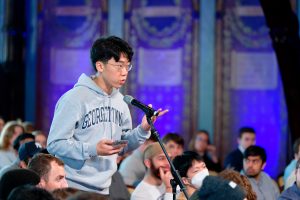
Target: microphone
<point>147,110</point>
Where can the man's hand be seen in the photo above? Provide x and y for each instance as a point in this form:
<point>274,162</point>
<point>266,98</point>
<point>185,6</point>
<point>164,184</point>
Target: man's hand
<point>166,176</point>
<point>145,124</point>
<point>105,147</point>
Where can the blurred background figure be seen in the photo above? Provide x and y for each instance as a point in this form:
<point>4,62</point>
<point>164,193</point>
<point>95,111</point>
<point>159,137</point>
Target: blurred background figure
<point>246,138</point>
<point>10,132</point>
<point>293,192</point>
<point>28,126</point>
<point>40,137</point>
<point>174,143</point>
<point>25,153</point>
<point>201,144</point>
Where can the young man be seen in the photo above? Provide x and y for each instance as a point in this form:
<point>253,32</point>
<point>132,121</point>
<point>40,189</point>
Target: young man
<point>51,171</point>
<point>246,138</point>
<point>254,162</point>
<point>156,183</point>
<point>293,192</point>
<point>92,115</point>
<point>174,143</point>
<point>192,169</point>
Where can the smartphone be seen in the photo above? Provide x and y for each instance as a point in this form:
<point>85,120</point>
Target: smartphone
<point>119,142</point>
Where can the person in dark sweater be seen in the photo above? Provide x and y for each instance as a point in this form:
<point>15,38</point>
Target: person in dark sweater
<point>246,138</point>
<point>201,144</point>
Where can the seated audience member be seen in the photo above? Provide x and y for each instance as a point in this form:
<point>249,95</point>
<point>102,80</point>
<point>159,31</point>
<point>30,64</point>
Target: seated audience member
<point>156,183</point>
<point>28,127</point>
<point>192,169</point>
<point>254,163</point>
<point>64,193</point>
<point>216,188</point>
<point>40,138</point>
<point>201,144</point>
<point>15,178</point>
<point>26,152</point>
<point>21,139</point>
<point>50,169</point>
<point>289,172</point>
<point>293,192</point>
<point>174,143</point>
<point>132,167</point>
<point>246,138</point>
<point>10,132</point>
<point>241,180</point>
<point>29,192</point>
<point>2,123</point>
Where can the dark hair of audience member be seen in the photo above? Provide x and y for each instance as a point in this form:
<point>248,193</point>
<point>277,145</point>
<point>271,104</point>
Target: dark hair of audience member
<point>64,193</point>
<point>185,161</point>
<point>173,137</point>
<point>41,164</point>
<point>29,192</point>
<point>256,151</point>
<point>89,196</point>
<point>241,180</point>
<point>246,130</point>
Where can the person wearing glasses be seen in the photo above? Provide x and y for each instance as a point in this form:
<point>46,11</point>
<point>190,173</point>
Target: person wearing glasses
<point>90,117</point>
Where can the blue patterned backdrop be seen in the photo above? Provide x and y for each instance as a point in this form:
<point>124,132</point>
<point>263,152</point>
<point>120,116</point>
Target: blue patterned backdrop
<point>67,31</point>
<point>163,36</point>
<point>251,89</point>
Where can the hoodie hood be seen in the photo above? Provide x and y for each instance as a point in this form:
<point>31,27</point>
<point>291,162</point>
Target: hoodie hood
<point>88,82</point>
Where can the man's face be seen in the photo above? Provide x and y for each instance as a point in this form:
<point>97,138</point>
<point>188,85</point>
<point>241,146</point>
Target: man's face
<point>56,178</point>
<point>114,75</point>
<point>197,166</point>
<point>253,165</point>
<point>174,149</point>
<point>157,162</point>
<point>247,140</point>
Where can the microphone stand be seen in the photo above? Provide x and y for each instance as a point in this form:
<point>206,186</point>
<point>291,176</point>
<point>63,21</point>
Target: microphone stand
<point>177,180</point>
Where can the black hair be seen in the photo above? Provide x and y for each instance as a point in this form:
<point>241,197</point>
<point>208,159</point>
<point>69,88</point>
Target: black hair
<point>104,49</point>
<point>23,136</point>
<point>183,162</point>
<point>256,151</point>
<point>29,192</point>
<point>246,129</point>
<point>173,137</point>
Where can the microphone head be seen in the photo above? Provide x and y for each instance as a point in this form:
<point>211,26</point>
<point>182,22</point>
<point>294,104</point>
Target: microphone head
<point>128,99</point>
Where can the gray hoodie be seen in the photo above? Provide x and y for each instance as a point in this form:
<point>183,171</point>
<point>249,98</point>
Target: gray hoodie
<point>83,116</point>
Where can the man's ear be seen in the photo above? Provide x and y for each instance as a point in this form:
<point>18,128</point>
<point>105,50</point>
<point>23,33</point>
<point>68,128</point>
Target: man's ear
<point>99,66</point>
<point>185,181</point>
<point>42,183</point>
<point>263,166</point>
<point>22,164</point>
<point>147,163</point>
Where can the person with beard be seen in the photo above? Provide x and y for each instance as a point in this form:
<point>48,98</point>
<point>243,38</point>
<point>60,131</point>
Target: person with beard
<point>156,182</point>
<point>253,165</point>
